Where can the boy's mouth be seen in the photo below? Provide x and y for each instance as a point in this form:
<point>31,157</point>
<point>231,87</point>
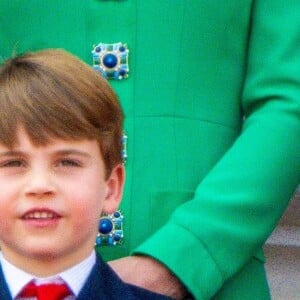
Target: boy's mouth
<point>40,215</point>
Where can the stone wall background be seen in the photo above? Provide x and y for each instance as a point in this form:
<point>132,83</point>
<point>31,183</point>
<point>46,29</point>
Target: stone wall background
<point>283,254</point>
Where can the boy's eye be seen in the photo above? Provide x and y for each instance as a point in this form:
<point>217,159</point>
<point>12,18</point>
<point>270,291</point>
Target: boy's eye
<point>69,163</point>
<point>12,164</point>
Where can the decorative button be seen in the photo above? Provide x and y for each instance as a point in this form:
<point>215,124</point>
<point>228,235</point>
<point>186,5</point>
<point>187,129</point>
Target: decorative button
<point>117,214</point>
<point>124,147</point>
<point>105,226</point>
<point>111,60</point>
<point>110,229</point>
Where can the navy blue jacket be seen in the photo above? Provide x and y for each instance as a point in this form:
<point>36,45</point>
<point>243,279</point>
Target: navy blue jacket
<point>103,283</point>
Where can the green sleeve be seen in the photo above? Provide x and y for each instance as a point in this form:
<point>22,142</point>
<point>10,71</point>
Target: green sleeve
<point>237,205</point>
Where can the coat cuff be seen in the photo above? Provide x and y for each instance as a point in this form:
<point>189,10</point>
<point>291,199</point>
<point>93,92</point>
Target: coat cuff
<point>176,248</point>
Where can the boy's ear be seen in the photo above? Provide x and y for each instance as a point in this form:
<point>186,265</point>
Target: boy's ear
<point>115,184</point>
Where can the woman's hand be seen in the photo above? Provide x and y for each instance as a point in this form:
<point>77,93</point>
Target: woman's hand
<point>148,273</point>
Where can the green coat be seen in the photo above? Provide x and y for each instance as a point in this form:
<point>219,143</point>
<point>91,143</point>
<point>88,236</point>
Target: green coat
<point>212,109</point>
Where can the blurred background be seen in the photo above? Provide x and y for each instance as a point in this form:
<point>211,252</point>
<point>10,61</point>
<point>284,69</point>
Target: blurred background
<point>283,254</point>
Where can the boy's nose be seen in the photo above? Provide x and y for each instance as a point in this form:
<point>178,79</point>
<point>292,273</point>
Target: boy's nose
<point>39,184</point>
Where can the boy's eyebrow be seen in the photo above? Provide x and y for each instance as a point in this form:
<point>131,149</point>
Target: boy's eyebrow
<point>11,153</point>
<point>59,152</point>
<point>72,151</point>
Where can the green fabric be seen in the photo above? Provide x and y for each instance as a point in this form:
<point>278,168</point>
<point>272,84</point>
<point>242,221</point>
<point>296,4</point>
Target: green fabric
<point>212,110</point>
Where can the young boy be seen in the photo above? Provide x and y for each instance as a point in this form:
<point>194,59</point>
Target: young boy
<point>60,168</point>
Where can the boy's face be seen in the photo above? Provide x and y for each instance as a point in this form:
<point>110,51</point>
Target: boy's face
<point>51,198</point>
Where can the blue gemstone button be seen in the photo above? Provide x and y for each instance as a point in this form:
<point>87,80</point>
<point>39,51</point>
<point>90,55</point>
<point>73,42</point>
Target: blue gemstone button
<point>122,72</point>
<point>122,49</point>
<point>117,237</point>
<point>105,226</point>
<point>117,214</point>
<point>110,60</point>
<point>110,229</point>
<point>98,241</point>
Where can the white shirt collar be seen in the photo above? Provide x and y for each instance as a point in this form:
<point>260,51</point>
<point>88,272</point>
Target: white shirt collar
<point>75,276</point>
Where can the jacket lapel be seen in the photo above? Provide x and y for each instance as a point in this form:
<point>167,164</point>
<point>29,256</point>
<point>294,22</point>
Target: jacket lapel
<point>4,291</point>
<point>103,283</point>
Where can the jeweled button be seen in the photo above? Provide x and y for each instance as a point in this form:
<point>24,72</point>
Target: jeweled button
<point>117,237</point>
<point>110,60</point>
<point>122,72</point>
<point>98,49</point>
<point>117,214</point>
<point>122,49</point>
<point>105,226</point>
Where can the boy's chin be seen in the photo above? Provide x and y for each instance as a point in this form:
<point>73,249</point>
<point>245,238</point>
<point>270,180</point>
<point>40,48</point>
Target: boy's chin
<point>43,262</point>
